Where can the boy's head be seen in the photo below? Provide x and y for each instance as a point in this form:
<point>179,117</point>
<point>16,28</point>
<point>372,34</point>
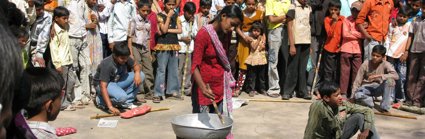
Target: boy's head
<point>144,8</point>
<point>121,52</point>
<point>61,16</point>
<point>302,2</point>
<point>45,92</point>
<point>239,1</point>
<point>355,8</point>
<point>334,7</point>
<point>205,6</point>
<point>416,6</point>
<point>331,93</point>
<point>257,29</point>
<point>39,7</point>
<point>229,2</point>
<point>21,35</point>
<point>189,11</point>
<point>403,14</point>
<point>378,53</point>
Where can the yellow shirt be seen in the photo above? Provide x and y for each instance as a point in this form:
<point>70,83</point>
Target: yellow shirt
<point>276,8</point>
<point>59,47</point>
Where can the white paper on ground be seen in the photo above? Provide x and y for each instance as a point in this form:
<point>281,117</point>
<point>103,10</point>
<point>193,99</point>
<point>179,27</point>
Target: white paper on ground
<point>237,103</point>
<point>107,123</point>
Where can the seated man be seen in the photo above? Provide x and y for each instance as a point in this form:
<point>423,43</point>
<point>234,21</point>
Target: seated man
<point>333,118</point>
<point>46,92</point>
<point>115,85</point>
<point>375,78</point>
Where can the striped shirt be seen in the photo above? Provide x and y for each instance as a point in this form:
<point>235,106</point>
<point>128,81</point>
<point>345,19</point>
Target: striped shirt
<point>42,130</point>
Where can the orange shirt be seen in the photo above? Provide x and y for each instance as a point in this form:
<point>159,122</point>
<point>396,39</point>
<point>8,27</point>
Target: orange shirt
<point>377,13</point>
<point>50,6</point>
<point>333,32</point>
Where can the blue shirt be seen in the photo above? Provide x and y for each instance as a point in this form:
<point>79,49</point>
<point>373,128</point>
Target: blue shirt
<point>346,7</point>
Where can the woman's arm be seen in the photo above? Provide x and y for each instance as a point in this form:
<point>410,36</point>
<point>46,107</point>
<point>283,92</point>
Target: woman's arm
<point>205,90</point>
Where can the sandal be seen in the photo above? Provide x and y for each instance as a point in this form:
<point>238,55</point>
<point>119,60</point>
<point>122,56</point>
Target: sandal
<point>273,95</point>
<point>156,99</point>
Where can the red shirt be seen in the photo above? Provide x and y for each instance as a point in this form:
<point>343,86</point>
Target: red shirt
<point>154,29</point>
<point>334,32</point>
<point>206,59</point>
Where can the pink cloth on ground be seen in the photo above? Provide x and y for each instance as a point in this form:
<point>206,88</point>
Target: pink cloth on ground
<point>63,131</point>
<point>136,112</point>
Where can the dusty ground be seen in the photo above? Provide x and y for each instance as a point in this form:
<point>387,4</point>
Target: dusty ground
<point>265,120</point>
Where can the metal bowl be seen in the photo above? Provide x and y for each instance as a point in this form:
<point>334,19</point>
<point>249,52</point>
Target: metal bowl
<point>201,126</point>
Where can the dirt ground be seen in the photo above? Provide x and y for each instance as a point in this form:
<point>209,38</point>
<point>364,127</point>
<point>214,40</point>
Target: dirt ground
<point>265,120</point>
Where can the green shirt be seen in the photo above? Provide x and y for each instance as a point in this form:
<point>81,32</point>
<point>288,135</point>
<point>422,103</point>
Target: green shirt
<point>326,123</point>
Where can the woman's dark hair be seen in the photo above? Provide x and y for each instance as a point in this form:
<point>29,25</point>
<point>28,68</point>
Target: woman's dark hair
<point>405,10</point>
<point>121,49</point>
<point>44,85</point>
<point>189,7</point>
<point>257,25</point>
<point>143,3</point>
<point>328,88</point>
<point>19,32</point>
<point>60,11</point>
<point>379,49</point>
<point>231,11</point>
<point>204,3</point>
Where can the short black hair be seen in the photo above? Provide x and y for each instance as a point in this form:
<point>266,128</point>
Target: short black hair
<point>121,49</point>
<point>19,32</point>
<point>405,10</point>
<point>15,16</point>
<point>44,85</point>
<point>379,49</point>
<point>335,3</point>
<point>39,3</point>
<point>204,3</point>
<point>60,11</point>
<point>257,25</point>
<point>143,3</point>
<point>189,7</point>
<point>328,88</point>
<point>416,1</point>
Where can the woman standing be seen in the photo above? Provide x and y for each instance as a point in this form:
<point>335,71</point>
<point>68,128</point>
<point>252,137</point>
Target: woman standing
<point>211,68</point>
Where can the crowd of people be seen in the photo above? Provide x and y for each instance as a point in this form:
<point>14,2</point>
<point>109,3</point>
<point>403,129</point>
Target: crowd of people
<point>109,51</point>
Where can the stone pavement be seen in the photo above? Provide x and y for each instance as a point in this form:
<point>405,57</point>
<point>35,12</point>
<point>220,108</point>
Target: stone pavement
<point>257,120</point>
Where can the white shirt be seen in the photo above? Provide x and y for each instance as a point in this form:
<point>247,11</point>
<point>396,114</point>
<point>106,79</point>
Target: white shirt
<point>77,18</point>
<point>187,30</point>
<point>104,15</point>
<point>40,33</point>
<point>119,21</point>
<point>215,3</point>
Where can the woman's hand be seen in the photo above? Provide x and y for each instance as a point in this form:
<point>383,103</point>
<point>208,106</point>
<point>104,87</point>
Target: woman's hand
<point>208,92</point>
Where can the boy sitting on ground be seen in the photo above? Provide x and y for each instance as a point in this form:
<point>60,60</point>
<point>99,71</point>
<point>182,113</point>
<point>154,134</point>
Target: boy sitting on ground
<point>45,100</point>
<point>375,78</point>
<point>332,117</point>
<point>115,86</point>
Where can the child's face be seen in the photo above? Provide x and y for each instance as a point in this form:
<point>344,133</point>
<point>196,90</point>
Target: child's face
<point>205,10</point>
<point>416,6</point>
<point>333,10</point>
<point>39,11</point>
<point>354,12</point>
<point>170,5</point>
<point>144,11</point>
<point>22,42</point>
<point>230,2</point>
<point>250,5</point>
<point>239,1</point>
<point>256,32</point>
<point>189,16</point>
<point>401,19</point>
<point>228,24</point>
<point>334,100</point>
<point>377,58</point>
<point>54,107</point>
<point>423,10</point>
<point>121,60</point>
<point>62,21</point>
